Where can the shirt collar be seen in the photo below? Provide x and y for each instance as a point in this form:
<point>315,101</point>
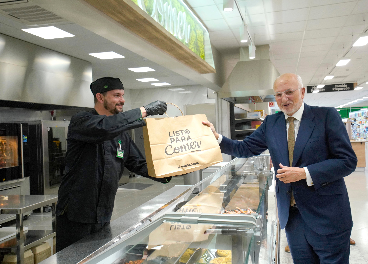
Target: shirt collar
<point>298,114</point>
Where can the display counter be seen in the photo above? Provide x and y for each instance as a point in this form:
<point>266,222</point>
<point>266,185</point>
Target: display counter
<point>360,149</point>
<point>227,222</point>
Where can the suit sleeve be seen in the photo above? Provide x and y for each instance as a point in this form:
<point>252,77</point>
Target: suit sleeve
<point>252,145</point>
<point>341,160</point>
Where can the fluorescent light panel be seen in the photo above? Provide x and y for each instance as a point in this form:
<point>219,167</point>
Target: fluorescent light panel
<point>358,88</point>
<point>343,62</point>
<point>147,80</point>
<point>316,91</point>
<point>328,77</point>
<point>160,84</point>
<point>176,89</point>
<point>362,41</point>
<point>109,55</point>
<point>48,32</point>
<point>186,92</point>
<point>320,86</point>
<point>141,69</point>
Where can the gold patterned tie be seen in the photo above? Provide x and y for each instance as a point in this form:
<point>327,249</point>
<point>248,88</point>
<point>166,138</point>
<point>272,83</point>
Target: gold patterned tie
<point>291,144</point>
<point>291,139</point>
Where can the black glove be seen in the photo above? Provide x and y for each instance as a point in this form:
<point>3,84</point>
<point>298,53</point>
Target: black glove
<point>162,180</point>
<point>156,108</point>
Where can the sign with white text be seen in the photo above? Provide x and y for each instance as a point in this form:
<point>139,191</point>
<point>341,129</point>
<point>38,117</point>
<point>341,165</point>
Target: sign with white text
<point>332,88</point>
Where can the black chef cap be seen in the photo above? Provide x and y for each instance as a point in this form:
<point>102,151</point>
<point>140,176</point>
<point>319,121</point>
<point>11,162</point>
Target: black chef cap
<point>106,84</point>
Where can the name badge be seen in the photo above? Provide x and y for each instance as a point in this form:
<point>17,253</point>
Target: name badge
<point>120,152</point>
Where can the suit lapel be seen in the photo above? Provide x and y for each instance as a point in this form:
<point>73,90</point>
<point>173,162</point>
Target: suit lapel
<point>305,131</point>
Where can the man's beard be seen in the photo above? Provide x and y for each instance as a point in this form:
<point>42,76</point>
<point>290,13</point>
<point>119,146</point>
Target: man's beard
<point>114,110</point>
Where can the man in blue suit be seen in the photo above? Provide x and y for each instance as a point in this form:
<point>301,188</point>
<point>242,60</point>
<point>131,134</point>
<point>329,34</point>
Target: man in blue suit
<point>311,153</point>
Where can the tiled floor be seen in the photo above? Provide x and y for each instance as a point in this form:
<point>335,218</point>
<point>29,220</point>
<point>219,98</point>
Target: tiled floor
<point>144,189</point>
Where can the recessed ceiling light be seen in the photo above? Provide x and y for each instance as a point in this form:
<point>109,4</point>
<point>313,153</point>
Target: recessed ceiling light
<point>176,89</point>
<point>160,84</point>
<point>316,91</point>
<point>107,55</point>
<point>147,80</point>
<point>358,88</point>
<point>328,77</point>
<point>141,69</point>
<point>343,62</point>
<point>362,41</point>
<point>320,86</point>
<point>186,92</point>
<point>48,32</point>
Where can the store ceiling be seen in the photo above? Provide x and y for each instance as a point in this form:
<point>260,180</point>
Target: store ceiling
<point>307,37</point>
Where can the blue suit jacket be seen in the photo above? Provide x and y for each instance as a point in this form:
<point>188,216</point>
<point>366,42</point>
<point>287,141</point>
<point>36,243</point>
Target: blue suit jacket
<point>323,146</point>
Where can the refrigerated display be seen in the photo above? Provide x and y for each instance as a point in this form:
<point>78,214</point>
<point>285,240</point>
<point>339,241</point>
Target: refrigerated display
<point>227,222</point>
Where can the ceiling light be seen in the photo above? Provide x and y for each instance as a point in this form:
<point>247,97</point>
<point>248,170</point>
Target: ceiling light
<point>320,86</point>
<point>160,84</point>
<point>107,55</point>
<point>228,5</point>
<point>147,80</point>
<point>186,92</point>
<point>328,77</point>
<point>141,69</point>
<point>48,32</point>
<point>316,91</point>
<point>176,89</point>
<point>343,62</point>
<point>252,51</point>
<point>362,41</point>
<point>358,88</point>
<point>243,33</point>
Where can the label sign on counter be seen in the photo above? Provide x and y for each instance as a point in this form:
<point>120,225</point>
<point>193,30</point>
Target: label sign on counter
<point>340,87</point>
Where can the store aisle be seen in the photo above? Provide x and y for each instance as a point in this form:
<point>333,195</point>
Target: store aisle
<point>357,184</point>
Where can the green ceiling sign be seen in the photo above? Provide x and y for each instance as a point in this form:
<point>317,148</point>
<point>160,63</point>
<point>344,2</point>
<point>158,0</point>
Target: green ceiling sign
<point>179,20</point>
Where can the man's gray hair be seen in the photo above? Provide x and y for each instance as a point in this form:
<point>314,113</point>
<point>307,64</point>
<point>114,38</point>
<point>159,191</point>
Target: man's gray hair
<point>298,78</point>
<point>300,82</point>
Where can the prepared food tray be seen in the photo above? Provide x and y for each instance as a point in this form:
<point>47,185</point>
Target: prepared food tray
<point>191,255</point>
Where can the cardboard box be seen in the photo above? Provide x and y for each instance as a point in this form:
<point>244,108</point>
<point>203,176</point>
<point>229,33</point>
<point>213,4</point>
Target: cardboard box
<point>254,115</point>
<point>12,258</point>
<point>41,252</point>
<point>261,111</point>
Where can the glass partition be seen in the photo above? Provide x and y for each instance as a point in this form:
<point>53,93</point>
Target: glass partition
<point>225,223</point>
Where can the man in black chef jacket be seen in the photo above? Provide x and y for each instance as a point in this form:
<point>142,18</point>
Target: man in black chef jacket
<point>98,150</point>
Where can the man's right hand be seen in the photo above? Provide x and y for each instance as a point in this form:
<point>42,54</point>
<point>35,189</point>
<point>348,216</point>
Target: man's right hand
<point>210,125</point>
<point>156,108</point>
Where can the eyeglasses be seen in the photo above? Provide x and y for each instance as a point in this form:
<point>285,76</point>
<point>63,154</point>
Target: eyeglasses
<point>288,93</point>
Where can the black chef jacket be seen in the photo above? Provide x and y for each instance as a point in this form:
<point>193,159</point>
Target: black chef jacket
<point>98,149</point>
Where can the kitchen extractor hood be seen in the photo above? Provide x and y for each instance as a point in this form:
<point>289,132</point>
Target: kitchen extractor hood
<point>250,78</point>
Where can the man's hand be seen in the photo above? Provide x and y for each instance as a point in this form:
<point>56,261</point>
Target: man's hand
<point>290,174</point>
<point>207,123</point>
<point>156,108</point>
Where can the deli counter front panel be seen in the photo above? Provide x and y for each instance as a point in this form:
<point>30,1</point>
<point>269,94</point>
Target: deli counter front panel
<point>225,223</point>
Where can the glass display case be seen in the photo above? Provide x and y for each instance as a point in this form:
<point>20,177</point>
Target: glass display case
<point>227,222</point>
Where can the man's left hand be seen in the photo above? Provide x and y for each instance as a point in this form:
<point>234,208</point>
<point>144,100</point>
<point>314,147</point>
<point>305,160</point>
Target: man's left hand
<point>290,174</point>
